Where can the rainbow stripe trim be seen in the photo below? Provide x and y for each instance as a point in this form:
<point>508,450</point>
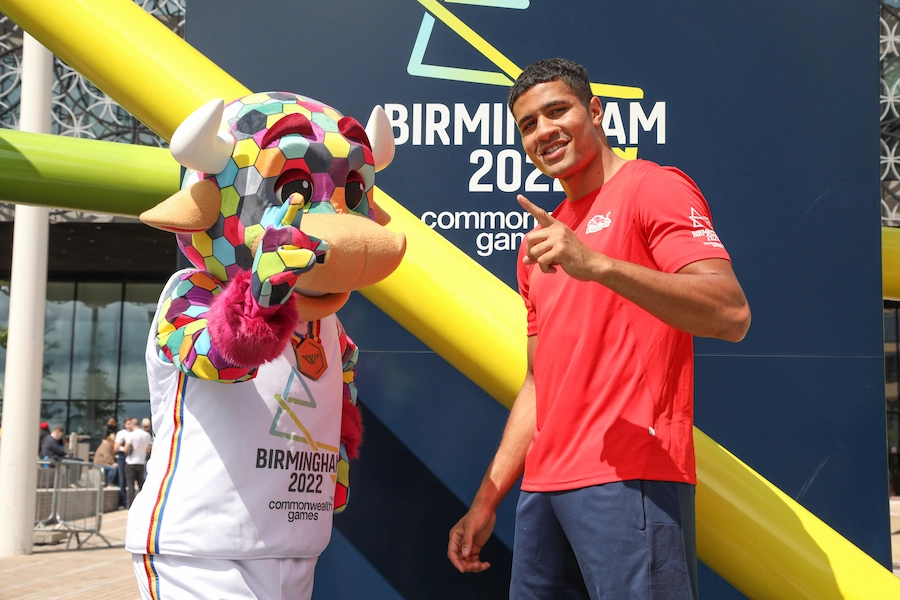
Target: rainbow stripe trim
<point>152,577</point>
<point>159,508</point>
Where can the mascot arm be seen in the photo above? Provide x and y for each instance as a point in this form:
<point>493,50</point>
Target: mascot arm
<point>245,333</point>
<point>351,421</point>
<point>219,333</point>
<point>252,319</point>
<point>183,335</point>
<point>284,252</point>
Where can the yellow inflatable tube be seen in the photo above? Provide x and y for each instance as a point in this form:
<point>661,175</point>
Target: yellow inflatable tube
<point>156,76</point>
<point>753,535</point>
<point>770,547</point>
<point>890,262</point>
<point>455,306</point>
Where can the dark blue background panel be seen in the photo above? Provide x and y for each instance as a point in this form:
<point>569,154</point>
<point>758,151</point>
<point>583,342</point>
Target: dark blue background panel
<point>344,572</point>
<point>446,421</point>
<point>374,331</point>
<point>771,107</point>
<point>398,519</point>
<point>812,426</point>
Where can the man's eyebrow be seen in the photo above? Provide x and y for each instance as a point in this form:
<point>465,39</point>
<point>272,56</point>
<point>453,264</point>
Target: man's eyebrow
<point>545,106</point>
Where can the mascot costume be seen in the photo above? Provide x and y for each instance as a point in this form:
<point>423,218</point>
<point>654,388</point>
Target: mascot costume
<point>251,373</point>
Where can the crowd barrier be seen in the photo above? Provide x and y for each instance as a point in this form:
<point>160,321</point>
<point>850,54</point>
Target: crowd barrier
<point>70,497</point>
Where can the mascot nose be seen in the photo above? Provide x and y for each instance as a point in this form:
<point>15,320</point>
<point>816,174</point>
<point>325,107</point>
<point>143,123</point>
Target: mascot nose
<point>360,252</point>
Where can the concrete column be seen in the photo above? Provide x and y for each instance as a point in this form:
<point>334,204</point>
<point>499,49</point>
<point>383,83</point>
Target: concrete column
<point>25,344</point>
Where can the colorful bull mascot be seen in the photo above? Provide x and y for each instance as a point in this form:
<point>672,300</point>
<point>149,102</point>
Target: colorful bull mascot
<point>251,373</point>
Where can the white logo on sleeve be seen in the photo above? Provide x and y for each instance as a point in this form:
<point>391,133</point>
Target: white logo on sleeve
<point>703,228</point>
<point>598,222</point>
<point>699,221</point>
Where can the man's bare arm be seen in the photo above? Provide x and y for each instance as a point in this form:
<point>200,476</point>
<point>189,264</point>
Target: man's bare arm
<point>470,534</point>
<point>703,298</point>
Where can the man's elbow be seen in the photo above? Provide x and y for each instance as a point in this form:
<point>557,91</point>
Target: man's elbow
<point>736,325</point>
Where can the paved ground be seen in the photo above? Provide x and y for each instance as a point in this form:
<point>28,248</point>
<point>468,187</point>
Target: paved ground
<point>98,572</point>
<point>95,572</point>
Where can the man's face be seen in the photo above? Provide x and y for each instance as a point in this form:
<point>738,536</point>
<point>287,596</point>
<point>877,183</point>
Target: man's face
<point>559,133</point>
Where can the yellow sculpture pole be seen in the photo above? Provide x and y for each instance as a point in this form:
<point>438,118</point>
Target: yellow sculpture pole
<point>135,59</point>
<point>890,262</point>
<point>756,537</point>
<point>769,546</point>
<point>457,307</point>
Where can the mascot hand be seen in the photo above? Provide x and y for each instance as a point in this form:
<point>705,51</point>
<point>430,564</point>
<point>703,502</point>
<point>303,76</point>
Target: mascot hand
<point>284,252</point>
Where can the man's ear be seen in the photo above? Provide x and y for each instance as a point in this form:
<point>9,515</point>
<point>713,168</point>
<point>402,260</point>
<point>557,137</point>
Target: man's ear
<point>596,109</point>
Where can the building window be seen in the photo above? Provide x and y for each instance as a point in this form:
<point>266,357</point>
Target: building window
<point>892,392</point>
<point>94,344</point>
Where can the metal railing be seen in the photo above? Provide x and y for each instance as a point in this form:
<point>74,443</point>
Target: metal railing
<point>70,499</point>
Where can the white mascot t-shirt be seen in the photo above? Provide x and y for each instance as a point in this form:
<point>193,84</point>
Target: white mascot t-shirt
<point>242,470</point>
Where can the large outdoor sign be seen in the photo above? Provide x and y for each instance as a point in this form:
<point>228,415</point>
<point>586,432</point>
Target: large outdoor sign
<point>769,107</point>
<point>477,140</point>
<point>486,138</point>
<point>460,162</point>
<point>498,162</point>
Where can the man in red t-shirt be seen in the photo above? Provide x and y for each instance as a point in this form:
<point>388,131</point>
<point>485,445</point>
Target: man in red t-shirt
<point>616,282</point>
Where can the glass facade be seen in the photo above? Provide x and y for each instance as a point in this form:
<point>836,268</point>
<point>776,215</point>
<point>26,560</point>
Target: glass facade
<point>890,217</point>
<point>892,390</point>
<point>94,343</point>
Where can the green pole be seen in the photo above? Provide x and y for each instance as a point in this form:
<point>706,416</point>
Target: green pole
<point>84,175</point>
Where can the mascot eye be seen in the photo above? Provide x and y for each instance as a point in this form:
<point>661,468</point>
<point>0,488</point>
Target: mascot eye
<point>354,191</point>
<point>294,182</point>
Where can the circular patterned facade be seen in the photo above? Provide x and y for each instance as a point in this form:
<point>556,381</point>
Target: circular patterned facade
<point>889,48</point>
<point>80,109</point>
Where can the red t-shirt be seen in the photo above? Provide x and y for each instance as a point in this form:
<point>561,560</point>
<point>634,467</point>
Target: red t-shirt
<point>615,385</point>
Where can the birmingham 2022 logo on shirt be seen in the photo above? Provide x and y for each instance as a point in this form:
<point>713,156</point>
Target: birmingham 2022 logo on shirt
<point>703,228</point>
<point>497,163</point>
<point>307,468</point>
<point>287,411</point>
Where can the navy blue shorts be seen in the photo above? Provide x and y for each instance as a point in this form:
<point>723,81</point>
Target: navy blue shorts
<point>630,540</point>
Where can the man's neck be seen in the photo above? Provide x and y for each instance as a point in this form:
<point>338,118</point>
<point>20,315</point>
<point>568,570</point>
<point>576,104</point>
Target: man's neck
<point>594,175</point>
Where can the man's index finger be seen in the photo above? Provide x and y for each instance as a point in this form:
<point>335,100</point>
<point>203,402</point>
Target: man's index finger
<point>543,218</point>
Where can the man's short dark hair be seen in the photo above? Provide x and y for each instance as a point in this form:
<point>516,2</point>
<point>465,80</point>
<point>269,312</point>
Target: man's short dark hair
<point>553,69</point>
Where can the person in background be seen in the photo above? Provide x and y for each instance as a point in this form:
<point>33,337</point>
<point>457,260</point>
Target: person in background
<point>119,449</point>
<point>43,432</point>
<point>147,426</point>
<point>110,429</point>
<point>137,446</point>
<point>52,447</point>
<point>106,458</point>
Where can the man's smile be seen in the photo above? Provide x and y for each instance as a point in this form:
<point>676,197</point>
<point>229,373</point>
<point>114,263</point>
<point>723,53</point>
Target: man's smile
<point>553,148</point>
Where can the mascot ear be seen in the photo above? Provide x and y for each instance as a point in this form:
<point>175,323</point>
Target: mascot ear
<point>198,144</point>
<point>381,136</point>
<point>194,209</point>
